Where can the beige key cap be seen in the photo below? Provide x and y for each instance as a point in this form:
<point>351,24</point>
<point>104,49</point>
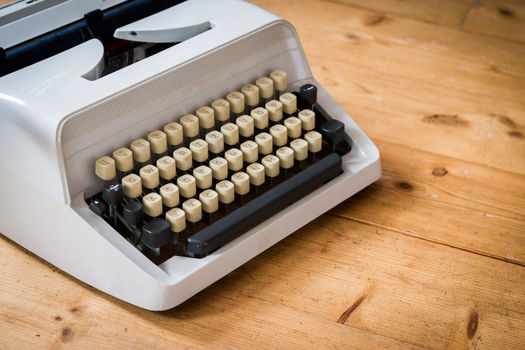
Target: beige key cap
<point>307,119</point>
<point>236,100</point>
<point>234,158</point>
<point>260,117</point>
<point>280,80</point>
<point>275,110</point>
<point>279,134</point>
<point>141,150</point>
<point>187,186</point>
<point>206,117</point>
<point>256,172</point>
<point>265,142</point>
<point>271,165</point>
<point>250,151</point>
<point>265,86</point>
<point>293,125</point>
<point>190,125</point>
<point>150,176</point>
<point>231,134</point>
<point>123,159</point>
<point>286,157</point>
<point>152,203</point>
<point>176,217</point>
<point>315,141</point>
<point>183,158</point>
<point>170,195</point>
<point>241,183</point>
<point>215,141</point>
<point>219,168</point>
<point>199,150</point>
<point>105,168</point>
<point>210,201</point>
<point>193,209</point>
<point>174,133</point>
<point>251,94</point>
<point>246,125</point>
<point>132,185</point>
<point>226,191</point>
<point>289,102</point>
<point>222,109</point>
<point>158,141</point>
<point>300,149</point>
<point>203,175</point>
<point>167,168</point>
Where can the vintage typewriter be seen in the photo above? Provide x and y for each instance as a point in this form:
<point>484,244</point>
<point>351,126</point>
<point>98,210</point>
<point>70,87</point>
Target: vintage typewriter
<point>149,148</point>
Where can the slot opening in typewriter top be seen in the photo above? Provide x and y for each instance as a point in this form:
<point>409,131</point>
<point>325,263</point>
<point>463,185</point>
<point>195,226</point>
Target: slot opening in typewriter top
<point>97,24</point>
<point>203,180</point>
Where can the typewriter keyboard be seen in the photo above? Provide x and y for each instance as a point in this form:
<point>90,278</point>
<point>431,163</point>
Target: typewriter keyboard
<point>195,184</point>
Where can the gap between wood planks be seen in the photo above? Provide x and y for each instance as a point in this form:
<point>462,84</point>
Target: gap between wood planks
<point>366,222</point>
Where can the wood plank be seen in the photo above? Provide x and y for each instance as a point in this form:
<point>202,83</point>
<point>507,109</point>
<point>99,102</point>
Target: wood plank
<point>415,84</point>
<point>501,18</point>
<point>45,308</point>
<point>444,12</point>
<point>333,283</point>
<point>445,200</point>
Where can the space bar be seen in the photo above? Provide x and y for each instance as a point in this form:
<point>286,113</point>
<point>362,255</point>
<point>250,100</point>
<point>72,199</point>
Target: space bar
<point>261,208</point>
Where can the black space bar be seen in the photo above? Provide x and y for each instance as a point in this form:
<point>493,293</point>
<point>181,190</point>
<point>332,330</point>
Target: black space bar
<point>268,204</point>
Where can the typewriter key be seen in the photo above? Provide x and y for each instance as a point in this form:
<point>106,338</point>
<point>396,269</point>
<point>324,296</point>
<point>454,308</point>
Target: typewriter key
<point>199,150</point>
<point>174,134</point>
<point>149,175</point>
<point>187,186</point>
<point>265,86</point>
<point>158,143</point>
<point>234,159</point>
<point>222,111</point>
<point>141,152</point>
<point>210,204</point>
<point>183,159</point>
<point>203,177</point>
<point>215,142</point>
<point>251,96</point>
<point>219,168</point>
<point>289,102</point>
<point>279,134</point>
<point>230,132</point>
<point>105,168</point>
<point>260,118</point>
<point>308,94</point>
<point>275,111</point>
<point>190,127</point>
<point>280,82</point>
<point>307,118</point>
<point>246,126</point>
<point>132,186</point>
<point>293,125</point>
<point>170,195</point>
<point>123,160</point>
<point>167,168</point>
<point>264,142</point>
<point>250,151</point>
<point>236,100</point>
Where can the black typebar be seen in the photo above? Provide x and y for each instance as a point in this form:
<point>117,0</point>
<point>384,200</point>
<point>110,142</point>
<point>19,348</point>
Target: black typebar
<point>96,24</point>
<point>261,208</point>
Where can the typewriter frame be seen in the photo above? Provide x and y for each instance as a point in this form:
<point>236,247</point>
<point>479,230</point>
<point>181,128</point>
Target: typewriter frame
<point>86,247</point>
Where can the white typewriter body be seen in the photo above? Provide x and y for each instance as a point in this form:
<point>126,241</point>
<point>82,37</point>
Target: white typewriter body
<point>57,117</point>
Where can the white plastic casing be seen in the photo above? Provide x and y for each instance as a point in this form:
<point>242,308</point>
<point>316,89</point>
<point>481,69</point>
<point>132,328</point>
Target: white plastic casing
<point>56,118</point>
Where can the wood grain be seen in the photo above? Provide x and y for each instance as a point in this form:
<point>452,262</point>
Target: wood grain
<point>501,18</point>
<point>431,256</point>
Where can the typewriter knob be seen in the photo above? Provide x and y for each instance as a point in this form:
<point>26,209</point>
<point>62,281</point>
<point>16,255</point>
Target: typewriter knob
<point>112,193</point>
<point>132,213</point>
<point>156,234</point>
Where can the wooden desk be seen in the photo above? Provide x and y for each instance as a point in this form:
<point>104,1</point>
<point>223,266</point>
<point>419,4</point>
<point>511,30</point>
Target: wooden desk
<point>431,256</point>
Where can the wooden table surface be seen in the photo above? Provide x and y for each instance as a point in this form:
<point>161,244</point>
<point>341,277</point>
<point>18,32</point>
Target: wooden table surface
<point>431,256</point>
